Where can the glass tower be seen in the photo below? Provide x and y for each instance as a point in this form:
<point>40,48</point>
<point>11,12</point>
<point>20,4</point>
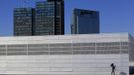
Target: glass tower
<point>85,22</point>
<point>23,21</point>
<point>46,19</point>
<point>49,18</point>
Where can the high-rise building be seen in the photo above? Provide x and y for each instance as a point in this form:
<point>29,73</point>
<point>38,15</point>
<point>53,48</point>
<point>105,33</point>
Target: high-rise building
<point>46,19</point>
<point>85,22</point>
<point>49,18</point>
<point>23,21</point>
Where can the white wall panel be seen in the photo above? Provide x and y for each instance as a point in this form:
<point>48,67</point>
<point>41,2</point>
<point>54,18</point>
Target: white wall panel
<point>76,59</point>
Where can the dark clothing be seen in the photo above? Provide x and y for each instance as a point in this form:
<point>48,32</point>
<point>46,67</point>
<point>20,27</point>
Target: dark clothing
<point>113,69</point>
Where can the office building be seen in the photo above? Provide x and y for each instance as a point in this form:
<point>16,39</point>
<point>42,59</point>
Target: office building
<point>49,18</point>
<point>23,21</point>
<point>67,54</point>
<point>85,22</point>
<point>46,19</point>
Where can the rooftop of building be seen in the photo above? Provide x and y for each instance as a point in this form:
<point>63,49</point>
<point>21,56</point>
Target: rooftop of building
<point>102,37</point>
<point>73,35</point>
<point>77,9</point>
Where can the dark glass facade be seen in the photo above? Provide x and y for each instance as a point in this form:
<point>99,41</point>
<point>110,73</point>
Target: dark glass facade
<point>49,18</point>
<point>23,21</point>
<point>85,22</point>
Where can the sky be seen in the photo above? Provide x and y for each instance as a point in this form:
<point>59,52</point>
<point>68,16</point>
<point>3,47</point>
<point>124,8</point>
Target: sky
<point>115,15</point>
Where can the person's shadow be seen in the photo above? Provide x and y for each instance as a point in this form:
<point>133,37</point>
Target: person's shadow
<point>123,73</point>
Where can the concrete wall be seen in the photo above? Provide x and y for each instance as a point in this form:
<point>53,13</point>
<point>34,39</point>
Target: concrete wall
<point>64,64</point>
